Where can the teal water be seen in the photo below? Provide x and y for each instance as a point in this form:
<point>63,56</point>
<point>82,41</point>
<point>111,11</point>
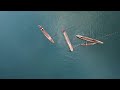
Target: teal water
<point>26,53</point>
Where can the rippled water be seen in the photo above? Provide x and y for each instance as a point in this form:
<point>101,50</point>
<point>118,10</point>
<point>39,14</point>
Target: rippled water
<point>26,53</point>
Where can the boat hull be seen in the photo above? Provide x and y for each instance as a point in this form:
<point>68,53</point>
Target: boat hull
<point>46,34</point>
<point>89,39</point>
<point>67,40</point>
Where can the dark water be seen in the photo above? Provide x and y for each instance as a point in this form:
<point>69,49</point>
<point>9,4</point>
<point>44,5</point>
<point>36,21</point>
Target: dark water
<point>26,53</point>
